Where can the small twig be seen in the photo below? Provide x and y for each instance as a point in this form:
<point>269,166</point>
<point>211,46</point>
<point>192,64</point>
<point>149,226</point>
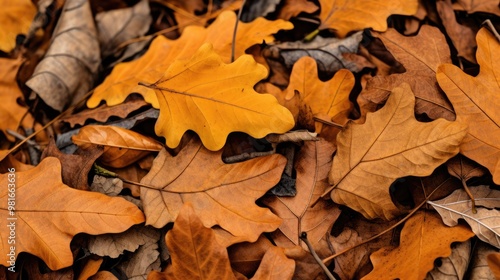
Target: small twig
<point>388,229</point>
<point>22,137</point>
<point>330,123</point>
<point>303,237</point>
<point>233,44</point>
<point>492,29</point>
<point>247,156</point>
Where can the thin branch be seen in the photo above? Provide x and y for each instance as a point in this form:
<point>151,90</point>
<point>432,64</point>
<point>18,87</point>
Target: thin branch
<point>233,44</point>
<point>303,237</point>
<point>492,29</point>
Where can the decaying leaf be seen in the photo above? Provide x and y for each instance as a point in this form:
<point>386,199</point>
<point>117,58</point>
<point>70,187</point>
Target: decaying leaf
<point>223,194</point>
<point>213,99</point>
<point>15,18</point>
<point>122,147</point>
<point>48,214</point>
<point>312,166</point>
<point>107,186</point>
<point>459,206</point>
<point>418,248</point>
<point>391,144</point>
<point>144,260</point>
<point>344,16</point>
<point>420,55</point>
<point>195,252</point>
<point>69,68</point>
<point>125,77</point>
<point>475,100</point>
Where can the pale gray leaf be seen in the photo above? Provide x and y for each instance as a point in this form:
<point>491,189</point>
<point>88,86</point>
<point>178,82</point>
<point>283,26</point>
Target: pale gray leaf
<point>479,265</point>
<point>259,8</point>
<point>68,70</point>
<point>107,186</point>
<point>454,266</point>
<point>143,261</point>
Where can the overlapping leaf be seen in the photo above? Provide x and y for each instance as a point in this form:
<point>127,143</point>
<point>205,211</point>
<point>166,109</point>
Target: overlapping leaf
<point>391,144</point>
<point>423,239</point>
<point>15,18</point>
<point>122,147</point>
<point>476,101</point>
<point>223,194</point>
<point>46,222</point>
<point>421,55</point>
<point>213,99</point>
<point>484,223</point>
<point>125,77</point>
<point>345,16</point>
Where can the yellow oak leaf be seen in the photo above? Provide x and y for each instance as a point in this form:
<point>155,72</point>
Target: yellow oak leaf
<point>345,16</point>
<point>391,144</point>
<point>125,77</point>
<point>476,101</point>
<point>15,18</point>
<point>213,99</point>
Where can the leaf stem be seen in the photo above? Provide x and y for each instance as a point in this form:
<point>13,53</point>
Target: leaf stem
<point>303,237</point>
<point>233,43</point>
<point>388,229</point>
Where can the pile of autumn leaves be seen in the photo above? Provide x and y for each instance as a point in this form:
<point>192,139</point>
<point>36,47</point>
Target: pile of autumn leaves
<point>213,204</point>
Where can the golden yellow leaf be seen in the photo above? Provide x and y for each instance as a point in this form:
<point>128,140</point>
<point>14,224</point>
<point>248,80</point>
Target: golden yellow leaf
<point>345,16</point>
<point>15,18</point>
<point>48,214</point>
<point>122,147</point>
<point>213,99</point>
<point>424,238</point>
<point>476,101</point>
<point>125,77</point>
<point>391,144</point>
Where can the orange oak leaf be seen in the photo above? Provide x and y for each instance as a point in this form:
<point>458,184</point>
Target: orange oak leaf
<point>15,18</point>
<point>312,166</point>
<point>345,16</point>
<point>48,214</point>
<point>194,250</point>
<point>391,144</point>
<point>494,264</point>
<point>11,113</point>
<point>420,55</point>
<point>424,238</point>
<point>275,266</point>
<point>125,77</point>
<point>328,100</point>
<point>213,99</point>
<point>122,147</point>
<point>223,194</point>
<point>476,101</point>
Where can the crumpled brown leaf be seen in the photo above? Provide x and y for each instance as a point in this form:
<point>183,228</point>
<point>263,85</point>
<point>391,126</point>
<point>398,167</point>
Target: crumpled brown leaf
<point>69,68</point>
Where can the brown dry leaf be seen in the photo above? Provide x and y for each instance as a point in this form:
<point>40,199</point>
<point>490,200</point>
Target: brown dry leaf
<point>418,248</point>
<point>125,77</point>
<point>347,265</point>
<point>132,173</point>
<point>292,8</point>
<point>420,55</point>
<point>122,147</point>
<point>15,18</point>
<point>328,100</point>
<point>113,245</point>
<point>484,222</point>
<point>103,275</point>
<point>439,183</point>
<point>75,167</point>
<point>454,266</point>
<point>312,165</point>
<point>69,68</point>
<point>144,260</point>
<point>213,99</point>
<point>462,36</point>
<point>223,194</point>
<point>476,101</point>
<point>245,257</point>
<point>32,269</point>
<point>344,16</point>
<point>275,266</point>
<point>494,264</point>
<point>464,168</point>
<point>104,112</point>
<point>473,6</point>
<point>478,267</point>
<point>48,214</point>
<point>11,113</point>
<point>195,252</point>
<point>391,144</point>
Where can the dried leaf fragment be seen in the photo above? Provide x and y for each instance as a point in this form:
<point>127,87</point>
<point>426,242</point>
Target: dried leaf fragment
<point>391,144</point>
<point>212,98</point>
